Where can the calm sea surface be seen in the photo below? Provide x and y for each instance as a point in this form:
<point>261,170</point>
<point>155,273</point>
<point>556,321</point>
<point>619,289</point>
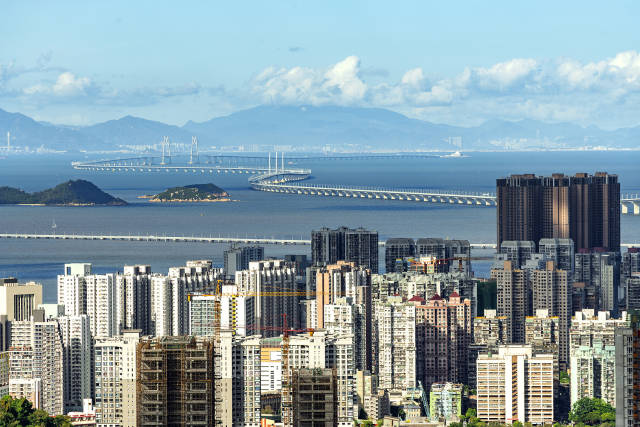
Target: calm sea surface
<point>264,214</point>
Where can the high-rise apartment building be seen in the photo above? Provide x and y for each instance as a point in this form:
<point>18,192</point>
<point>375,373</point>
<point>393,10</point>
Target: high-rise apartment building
<point>196,276</point>
<point>551,291</point>
<point>513,298</point>
<point>175,381</point>
<point>560,251</point>
<point>632,286</point>
<point>4,373</point>
<point>345,244</point>
<point>310,351</point>
<point>347,280</point>
<point>17,302</point>
<point>161,309</point>
<point>92,294</point>
<point>443,335</point>
<point>515,385</point>
<point>630,262</point>
<point>602,357</point>
<point>169,303</point>
<point>491,329</point>
<point>339,355</point>
<point>115,374</point>
<point>77,347</point>
<point>133,298</point>
<point>543,335</point>
<point>584,208</point>
<point>489,332</point>
<point>599,271</point>
<point>72,288</point>
<point>238,258</point>
<point>634,323</point>
<point>343,319</point>
<point>236,312</point>
<point>238,387</point>
<point>101,307</point>
<point>395,343</point>
<point>397,249</point>
<point>367,394</point>
<point>36,363</point>
<point>273,285</point>
<point>517,251</point>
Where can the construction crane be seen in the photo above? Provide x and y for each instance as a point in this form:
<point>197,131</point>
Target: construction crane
<point>287,392</point>
<point>463,259</point>
<point>436,262</point>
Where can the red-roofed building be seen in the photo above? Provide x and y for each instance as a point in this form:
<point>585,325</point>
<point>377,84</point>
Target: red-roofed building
<point>417,300</point>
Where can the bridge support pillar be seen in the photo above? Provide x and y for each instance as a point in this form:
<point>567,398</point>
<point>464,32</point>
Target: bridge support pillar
<point>636,208</point>
<point>624,209</point>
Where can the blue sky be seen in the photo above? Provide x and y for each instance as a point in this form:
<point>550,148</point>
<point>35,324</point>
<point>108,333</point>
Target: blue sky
<point>453,62</point>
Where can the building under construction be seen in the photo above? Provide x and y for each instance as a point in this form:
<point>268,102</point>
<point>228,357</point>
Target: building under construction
<point>315,397</point>
<point>175,381</point>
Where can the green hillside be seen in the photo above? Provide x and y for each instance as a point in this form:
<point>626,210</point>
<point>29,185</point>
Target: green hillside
<point>193,192</point>
<point>78,192</point>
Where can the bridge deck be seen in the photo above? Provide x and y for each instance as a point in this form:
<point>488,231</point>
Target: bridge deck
<point>279,180</point>
<point>199,239</point>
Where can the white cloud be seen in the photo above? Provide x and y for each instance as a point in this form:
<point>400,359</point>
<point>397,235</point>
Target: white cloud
<point>548,89</point>
<point>414,77</point>
<point>70,85</point>
<point>504,75</point>
<point>66,85</point>
<point>555,89</point>
<point>340,83</point>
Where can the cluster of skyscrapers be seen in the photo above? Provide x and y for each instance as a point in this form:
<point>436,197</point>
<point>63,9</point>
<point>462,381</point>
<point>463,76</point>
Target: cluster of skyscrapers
<point>330,340</point>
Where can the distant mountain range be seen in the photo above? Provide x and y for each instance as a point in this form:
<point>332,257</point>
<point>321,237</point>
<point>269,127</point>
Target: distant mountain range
<point>354,129</point>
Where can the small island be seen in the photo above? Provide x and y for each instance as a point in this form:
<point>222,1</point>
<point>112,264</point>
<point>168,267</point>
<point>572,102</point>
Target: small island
<point>191,193</point>
<point>71,193</point>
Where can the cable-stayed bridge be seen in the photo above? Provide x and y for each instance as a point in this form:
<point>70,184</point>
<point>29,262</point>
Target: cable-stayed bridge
<point>273,175</point>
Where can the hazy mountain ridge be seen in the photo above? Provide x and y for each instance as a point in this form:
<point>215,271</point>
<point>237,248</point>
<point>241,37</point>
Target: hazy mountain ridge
<point>313,127</point>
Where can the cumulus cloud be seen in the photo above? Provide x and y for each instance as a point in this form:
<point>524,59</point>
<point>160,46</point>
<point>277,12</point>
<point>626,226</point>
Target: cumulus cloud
<point>555,89</point>
<point>340,83</point>
<point>549,89</point>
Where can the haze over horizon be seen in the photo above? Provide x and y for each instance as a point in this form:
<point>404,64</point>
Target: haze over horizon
<point>457,63</point>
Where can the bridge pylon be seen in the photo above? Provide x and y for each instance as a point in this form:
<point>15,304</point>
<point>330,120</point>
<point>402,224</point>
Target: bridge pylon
<point>194,146</point>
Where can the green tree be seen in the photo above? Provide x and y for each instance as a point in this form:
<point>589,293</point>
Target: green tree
<point>564,377</point>
<point>592,412</point>
<point>20,412</point>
